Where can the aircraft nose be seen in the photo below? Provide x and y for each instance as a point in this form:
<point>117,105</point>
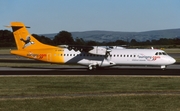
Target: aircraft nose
<point>172,60</point>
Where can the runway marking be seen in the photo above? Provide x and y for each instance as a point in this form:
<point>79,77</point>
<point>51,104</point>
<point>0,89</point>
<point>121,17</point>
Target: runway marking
<point>80,95</point>
<point>154,76</point>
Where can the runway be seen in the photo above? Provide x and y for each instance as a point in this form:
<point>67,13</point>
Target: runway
<point>173,70</point>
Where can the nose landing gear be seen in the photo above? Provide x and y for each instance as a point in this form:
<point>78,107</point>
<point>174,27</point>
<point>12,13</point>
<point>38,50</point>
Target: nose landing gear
<point>163,67</point>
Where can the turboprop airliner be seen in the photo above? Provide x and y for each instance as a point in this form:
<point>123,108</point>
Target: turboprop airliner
<point>93,57</point>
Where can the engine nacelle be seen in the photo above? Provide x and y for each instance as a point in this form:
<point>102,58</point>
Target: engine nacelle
<point>98,50</point>
<point>107,63</point>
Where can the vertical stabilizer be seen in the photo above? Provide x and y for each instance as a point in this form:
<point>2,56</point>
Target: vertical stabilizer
<point>24,40</point>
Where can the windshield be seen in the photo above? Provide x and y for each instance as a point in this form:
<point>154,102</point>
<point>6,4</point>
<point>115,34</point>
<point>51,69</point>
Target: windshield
<point>160,53</point>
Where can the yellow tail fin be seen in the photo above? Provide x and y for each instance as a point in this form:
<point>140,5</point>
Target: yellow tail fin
<point>24,40</point>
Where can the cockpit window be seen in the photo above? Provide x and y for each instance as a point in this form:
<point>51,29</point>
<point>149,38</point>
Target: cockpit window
<point>164,53</point>
<point>160,53</point>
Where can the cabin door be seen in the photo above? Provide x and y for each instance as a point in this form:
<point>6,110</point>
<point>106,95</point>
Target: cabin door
<point>48,56</point>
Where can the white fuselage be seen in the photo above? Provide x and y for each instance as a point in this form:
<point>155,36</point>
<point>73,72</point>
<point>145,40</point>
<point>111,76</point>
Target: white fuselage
<point>120,57</point>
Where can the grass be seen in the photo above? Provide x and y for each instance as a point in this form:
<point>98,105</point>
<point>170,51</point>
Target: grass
<point>89,93</point>
<point>3,64</point>
<point>121,103</point>
<point>172,50</point>
<point>4,51</point>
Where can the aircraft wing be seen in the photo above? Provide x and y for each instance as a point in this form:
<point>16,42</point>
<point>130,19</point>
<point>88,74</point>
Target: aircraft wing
<point>97,50</point>
<point>80,48</point>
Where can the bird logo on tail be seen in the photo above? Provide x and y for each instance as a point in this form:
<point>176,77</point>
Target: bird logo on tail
<point>27,41</point>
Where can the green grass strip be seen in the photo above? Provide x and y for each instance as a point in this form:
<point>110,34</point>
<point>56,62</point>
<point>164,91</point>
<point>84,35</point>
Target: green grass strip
<point>99,93</point>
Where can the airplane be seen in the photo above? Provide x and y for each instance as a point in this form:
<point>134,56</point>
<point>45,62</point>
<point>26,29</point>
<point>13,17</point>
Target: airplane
<point>94,57</point>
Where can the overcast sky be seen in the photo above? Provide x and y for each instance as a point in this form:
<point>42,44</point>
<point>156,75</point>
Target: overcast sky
<point>52,16</point>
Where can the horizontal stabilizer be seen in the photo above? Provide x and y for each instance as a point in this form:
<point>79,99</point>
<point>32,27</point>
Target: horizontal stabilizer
<point>17,26</point>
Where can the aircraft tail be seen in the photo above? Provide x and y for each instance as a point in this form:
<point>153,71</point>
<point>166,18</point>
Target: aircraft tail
<point>24,40</point>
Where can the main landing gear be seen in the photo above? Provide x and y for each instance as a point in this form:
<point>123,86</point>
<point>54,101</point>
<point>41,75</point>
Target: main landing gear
<point>93,67</point>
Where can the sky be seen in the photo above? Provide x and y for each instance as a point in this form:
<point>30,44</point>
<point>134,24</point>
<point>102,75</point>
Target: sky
<point>53,16</point>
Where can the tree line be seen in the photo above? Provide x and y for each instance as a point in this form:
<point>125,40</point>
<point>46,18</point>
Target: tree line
<point>64,37</point>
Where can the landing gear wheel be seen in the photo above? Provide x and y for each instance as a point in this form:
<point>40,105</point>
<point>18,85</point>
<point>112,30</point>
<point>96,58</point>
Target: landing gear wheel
<point>163,67</point>
<point>90,68</point>
<point>93,67</point>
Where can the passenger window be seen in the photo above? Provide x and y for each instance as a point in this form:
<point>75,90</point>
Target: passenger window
<point>156,53</point>
<point>160,53</point>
